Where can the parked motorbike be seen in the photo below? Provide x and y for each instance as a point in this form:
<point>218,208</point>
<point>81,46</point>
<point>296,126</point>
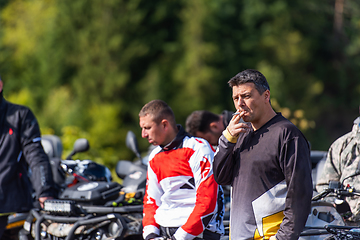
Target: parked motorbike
<point>89,206</point>
<point>330,220</point>
<point>133,174</point>
<point>343,232</point>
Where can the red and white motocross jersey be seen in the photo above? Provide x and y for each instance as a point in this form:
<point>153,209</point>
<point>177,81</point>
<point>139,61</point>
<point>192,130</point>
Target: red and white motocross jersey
<point>181,190</point>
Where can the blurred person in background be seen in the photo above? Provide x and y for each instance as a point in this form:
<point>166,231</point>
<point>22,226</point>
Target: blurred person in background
<point>343,161</point>
<point>20,150</point>
<point>208,125</point>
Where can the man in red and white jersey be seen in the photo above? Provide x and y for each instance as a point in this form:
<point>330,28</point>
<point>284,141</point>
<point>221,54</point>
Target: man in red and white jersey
<point>182,199</point>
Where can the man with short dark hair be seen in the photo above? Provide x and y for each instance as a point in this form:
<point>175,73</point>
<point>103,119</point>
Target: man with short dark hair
<point>21,148</point>
<point>182,199</point>
<point>267,164</point>
<point>208,125</point>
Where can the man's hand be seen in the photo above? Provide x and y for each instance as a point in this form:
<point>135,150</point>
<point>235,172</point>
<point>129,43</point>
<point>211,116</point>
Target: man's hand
<point>42,200</point>
<point>235,127</point>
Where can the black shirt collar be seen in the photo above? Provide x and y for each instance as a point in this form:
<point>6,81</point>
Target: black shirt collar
<point>177,141</point>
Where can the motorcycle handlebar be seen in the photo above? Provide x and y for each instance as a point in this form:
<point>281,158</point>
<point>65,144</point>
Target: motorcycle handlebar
<point>314,231</point>
<point>322,194</point>
<point>339,192</point>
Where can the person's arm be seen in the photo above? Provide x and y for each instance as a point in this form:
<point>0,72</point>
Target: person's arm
<point>223,160</point>
<point>296,166</point>
<point>206,194</point>
<point>35,156</point>
<point>151,203</point>
<point>331,170</point>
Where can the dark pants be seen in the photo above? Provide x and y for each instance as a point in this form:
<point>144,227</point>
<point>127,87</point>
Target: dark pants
<point>207,235</point>
<point>3,223</point>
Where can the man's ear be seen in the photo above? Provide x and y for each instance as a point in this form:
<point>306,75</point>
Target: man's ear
<point>267,95</point>
<point>214,126</point>
<point>164,123</point>
<point>1,85</point>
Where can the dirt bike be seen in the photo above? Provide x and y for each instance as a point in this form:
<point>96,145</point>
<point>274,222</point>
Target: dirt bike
<point>90,205</point>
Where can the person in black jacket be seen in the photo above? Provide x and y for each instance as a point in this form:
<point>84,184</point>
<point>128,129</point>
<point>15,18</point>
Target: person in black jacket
<point>20,151</point>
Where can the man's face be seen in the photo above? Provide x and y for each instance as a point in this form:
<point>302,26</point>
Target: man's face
<point>212,136</point>
<point>248,100</point>
<point>153,132</point>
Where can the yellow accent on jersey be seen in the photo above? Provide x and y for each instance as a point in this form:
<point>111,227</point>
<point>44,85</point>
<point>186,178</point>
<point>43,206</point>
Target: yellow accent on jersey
<point>257,235</point>
<point>271,225</point>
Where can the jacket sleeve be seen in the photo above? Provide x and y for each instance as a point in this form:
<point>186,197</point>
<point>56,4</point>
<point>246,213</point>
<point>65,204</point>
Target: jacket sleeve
<point>332,166</point>
<point>201,163</point>
<point>223,161</point>
<point>296,166</point>
<point>33,152</point>
<point>152,200</point>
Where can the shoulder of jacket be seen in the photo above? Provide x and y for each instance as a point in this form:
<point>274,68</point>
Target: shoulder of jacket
<point>289,129</point>
<point>153,153</point>
<point>194,142</point>
<point>342,141</point>
<point>14,108</point>
<point>198,144</point>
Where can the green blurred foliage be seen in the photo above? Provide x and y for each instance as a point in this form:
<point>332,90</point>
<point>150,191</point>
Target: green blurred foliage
<point>86,68</point>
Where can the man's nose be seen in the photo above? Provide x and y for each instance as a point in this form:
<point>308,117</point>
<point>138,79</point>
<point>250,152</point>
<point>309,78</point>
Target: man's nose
<point>143,133</point>
<point>240,102</point>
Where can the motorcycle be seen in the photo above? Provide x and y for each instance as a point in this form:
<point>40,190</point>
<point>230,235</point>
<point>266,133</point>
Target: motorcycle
<point>343,232</point>
<point>330,220</point>
<point>90,205</point>
<point>133,174</point>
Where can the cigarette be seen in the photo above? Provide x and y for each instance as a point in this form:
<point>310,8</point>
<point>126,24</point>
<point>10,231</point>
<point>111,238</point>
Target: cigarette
<point>236,113</point>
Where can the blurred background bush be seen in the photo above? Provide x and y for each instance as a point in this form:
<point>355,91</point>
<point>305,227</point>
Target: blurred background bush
<point>86,68</point>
